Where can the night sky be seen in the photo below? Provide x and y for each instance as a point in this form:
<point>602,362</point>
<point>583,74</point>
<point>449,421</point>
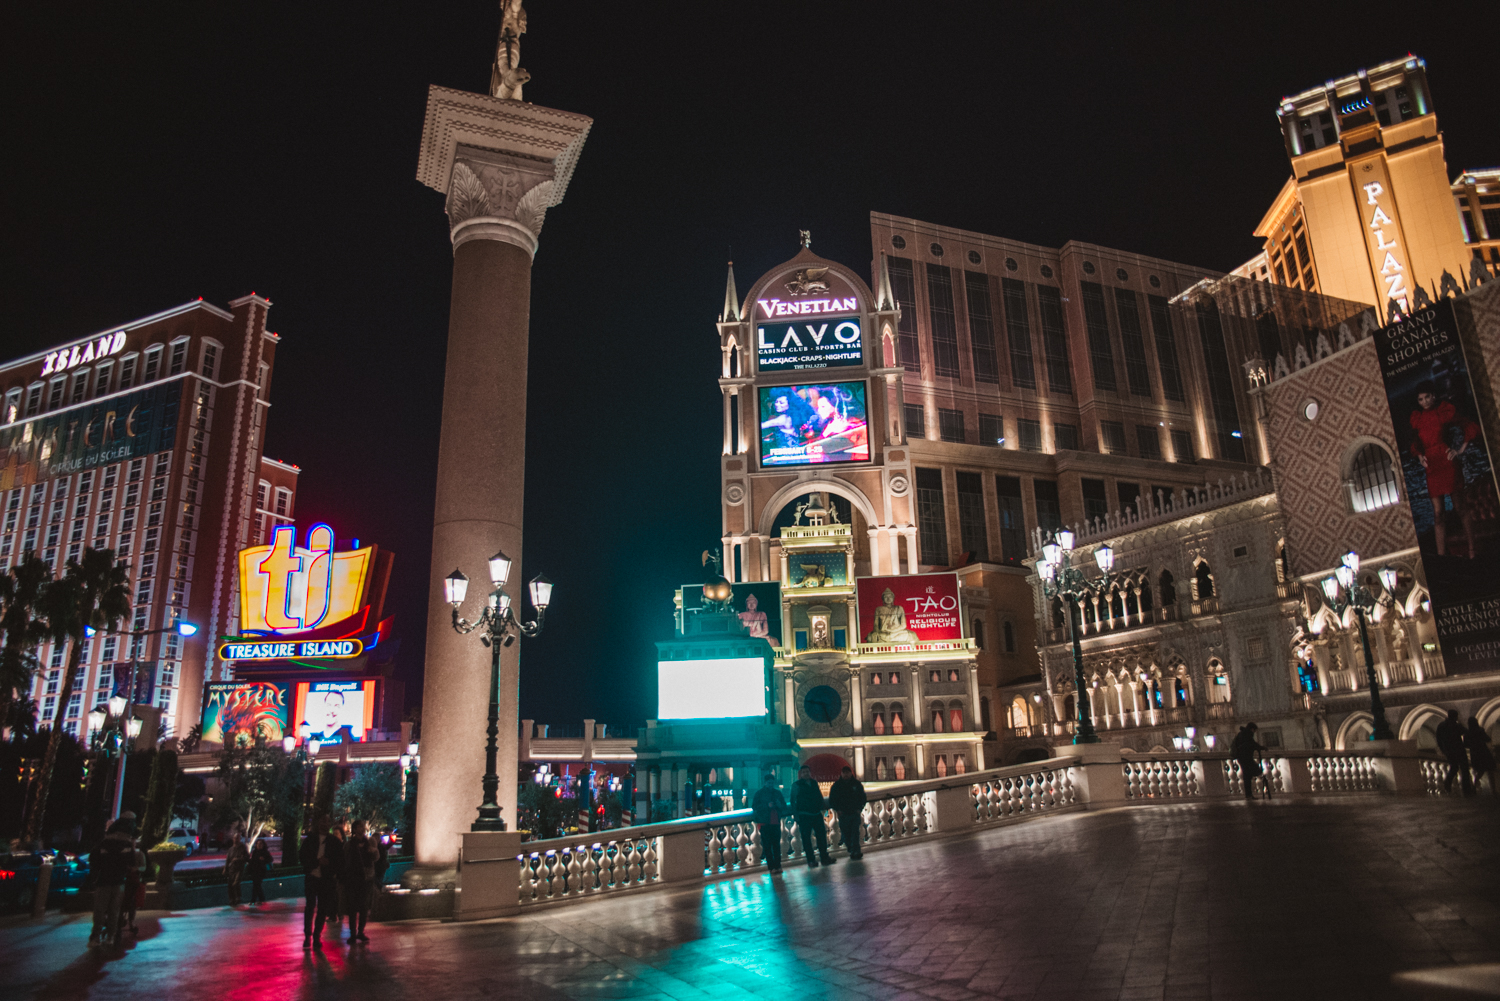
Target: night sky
<point>157,153</point>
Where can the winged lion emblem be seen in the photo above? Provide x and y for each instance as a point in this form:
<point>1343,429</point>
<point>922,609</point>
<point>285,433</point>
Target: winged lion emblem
<point>807,281</point>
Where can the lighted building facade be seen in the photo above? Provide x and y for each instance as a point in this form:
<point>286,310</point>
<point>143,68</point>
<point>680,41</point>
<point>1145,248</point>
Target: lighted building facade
<point>145,439</point>
<point>1476,194</point>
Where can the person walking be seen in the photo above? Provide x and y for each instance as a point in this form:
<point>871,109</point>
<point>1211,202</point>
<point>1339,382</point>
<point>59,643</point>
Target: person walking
<point>847,799</point>
<point>109,864</point>
<point>1450,740</point>
<point>809,805</point>
<point>234,868</point>
<point>309,855</point>
<point>1243,749</point>
<point>769,807</point>
<point>261,863</point>
<point>135,887</point>
<point>360,856</point>
<point>1481,758</point>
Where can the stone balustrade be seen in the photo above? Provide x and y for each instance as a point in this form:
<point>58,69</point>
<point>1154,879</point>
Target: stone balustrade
<point>501,875</point>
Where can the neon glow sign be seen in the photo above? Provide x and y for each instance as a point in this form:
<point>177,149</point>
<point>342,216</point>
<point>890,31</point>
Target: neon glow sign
<point>287,589</point>
<point>1391,270</point>
<point>319,649</point>
<point>80,354</point>
<point>807,307</point>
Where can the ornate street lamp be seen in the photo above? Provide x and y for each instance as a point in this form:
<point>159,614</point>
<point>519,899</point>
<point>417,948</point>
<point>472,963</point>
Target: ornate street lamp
<point>1060,579</point>
<point>1362,600</point>
<point>499,628</point>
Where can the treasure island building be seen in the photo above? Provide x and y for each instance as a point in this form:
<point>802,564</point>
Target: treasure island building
<point>145,439</point>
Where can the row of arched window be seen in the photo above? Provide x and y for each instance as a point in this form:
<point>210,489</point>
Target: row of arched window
<point>947,718</point>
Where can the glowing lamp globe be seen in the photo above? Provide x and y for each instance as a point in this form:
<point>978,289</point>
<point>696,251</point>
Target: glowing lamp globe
<point>1330,588</point>
<point>1052,552</point>
<point>134,727</point>
<point>97,716</point>
<point>455,588</point>
<point>1105,557</point>
<point>1388,578</point>
<point>187,628</point>
<point>541,592</point>
<point>312,747</point>
<point>1345,574</point>
<point>288,744</point>
<point>117,705</point>
<point>1065,539</point>
<point>1351,560</point>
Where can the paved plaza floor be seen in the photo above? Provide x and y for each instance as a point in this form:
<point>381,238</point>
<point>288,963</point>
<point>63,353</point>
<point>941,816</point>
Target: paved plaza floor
<point>1306,899</point>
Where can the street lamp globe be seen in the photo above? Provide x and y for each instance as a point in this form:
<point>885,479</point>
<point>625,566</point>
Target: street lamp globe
<point>1046,569</point>
<point>1105,557</point>
<point>288,744</point>
<point>1351,560</point>
<point>117,705</point>
<point>455,588</point>
<point>1388,579</point>
<point>1065,539</point>
<point>1345,574</point>
<point>499,568</point>
<point>312,747</point>
<point>134,727</point>
<point>1052,552</point>
<point>187,628</point>
<point>406,761</point>
<point>1330,588</point>
<point>541,593</point>
<point>304,730</point>
<point>97,716</point>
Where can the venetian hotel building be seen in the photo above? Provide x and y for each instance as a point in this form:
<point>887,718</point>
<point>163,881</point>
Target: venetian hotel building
<point>145,439</point>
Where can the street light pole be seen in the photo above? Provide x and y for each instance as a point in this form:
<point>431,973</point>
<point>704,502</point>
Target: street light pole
<point>1360,597</point>
<point>498,627</point>
<point>1060,579</point>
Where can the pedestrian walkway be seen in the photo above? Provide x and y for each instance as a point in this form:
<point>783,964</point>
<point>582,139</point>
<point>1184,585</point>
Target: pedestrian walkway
<point>1289,899</point>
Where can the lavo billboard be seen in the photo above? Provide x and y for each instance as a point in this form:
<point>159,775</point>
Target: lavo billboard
<point>1450,482</point>
<point>808,342</point>
<point>911,609</point>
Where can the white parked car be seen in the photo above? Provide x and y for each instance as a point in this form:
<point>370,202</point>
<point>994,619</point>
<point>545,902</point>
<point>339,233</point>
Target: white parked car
<point>187,839</point>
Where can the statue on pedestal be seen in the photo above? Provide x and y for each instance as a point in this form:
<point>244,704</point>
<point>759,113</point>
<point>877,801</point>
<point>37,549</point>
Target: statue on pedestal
<point>506,75</point>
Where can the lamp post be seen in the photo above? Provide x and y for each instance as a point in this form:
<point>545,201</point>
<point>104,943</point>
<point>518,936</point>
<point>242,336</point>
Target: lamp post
<point>499,627</point>
<point>1060,579</point>
<point>1361,599</point>
<point>118,704</point>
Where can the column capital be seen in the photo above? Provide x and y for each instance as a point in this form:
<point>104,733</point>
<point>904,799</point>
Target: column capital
<point>501,163</point>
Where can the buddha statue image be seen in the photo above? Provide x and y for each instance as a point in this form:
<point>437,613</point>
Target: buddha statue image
<point>757,623</point>
<point>890,622</point>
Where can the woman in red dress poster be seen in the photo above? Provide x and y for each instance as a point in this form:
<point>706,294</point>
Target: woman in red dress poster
<point>1444,477</point>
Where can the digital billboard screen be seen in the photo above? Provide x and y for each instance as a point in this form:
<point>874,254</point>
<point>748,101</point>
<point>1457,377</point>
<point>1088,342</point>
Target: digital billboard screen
<point>244,711</point>
<point>789,343</point>
<point>804,425</point>
<point>336,712</point>
<point>909,609</point>
<point>731,688</point>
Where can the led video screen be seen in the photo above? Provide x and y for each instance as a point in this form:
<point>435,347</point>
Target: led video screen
<point>804,425</point>
<point>336,712</point>
<point>710,689</point>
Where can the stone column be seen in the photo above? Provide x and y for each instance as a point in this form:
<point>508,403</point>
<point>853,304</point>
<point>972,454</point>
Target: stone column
<point>501,164</point>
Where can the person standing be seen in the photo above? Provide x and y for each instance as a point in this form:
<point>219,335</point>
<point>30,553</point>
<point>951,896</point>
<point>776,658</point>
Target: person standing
<point>331,863</point>
<point>109,864</point>
<point>1450,740</point>
<point>1481,758</point>
<point>847,799</point>
<point>1243,749</point>
<point>261,863</point>
<point>769,807</point>
<point>309,854</point>
<point>234,868</point>
<point>135,886</point>
<point>809,805</point>
<point>360,856</point>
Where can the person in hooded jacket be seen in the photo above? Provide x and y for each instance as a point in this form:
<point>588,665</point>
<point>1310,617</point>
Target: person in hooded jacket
<point>809,805</point>
<point>847,799</point>
<point>109,865</point>
<point>769,807</point>
<point>322,900</point>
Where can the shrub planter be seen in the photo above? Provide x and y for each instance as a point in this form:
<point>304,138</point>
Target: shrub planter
<point>160,894</point>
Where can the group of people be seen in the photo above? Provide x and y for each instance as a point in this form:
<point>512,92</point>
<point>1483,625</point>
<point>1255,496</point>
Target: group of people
<point>117,867</point>
<point>343,873</point>
<point>846,798</point>
<point>1468,752</point>
<point>240,859</point>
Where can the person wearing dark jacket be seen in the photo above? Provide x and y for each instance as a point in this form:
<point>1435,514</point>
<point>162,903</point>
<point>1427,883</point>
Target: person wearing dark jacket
<point>808,804</point>
<point>847,799</point>
<point>1450,740</point>
<point>1243,749</point>
<point>360,857</point>
<point>333,862</point>
<point>769,807</point>
<point>109,865</point>
<point>234,868</point>
<point>1481,758</point>
<point>312,856</point>
<point>260,864</point>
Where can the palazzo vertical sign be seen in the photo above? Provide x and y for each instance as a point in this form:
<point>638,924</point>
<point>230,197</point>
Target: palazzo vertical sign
<point>1449,481</point>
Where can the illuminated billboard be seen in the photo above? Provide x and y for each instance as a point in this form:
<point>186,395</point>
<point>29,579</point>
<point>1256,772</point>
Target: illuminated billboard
<point>287,589</point>
<point>336,712</point>
<point>245,711</point>
<point>139,423</point>
<point>803,425</point>
<point>711,689</point>
<point>910,609</point>
<point>787,343</point>
<point>757,604</point>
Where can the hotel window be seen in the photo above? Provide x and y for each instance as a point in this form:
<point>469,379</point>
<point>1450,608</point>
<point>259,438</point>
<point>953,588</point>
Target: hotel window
<point>936,712</point>
<point>877,719</point>
<point>934,677</point>
<point>899,769</point>
<point>1096,323</point>
<point>894,679</point>
<point>981,327</point>
<point>1054,339</point>
<point>898,718</point>
<point>283,501</point>
<point>153,364</point>
<point>1030,434</point>
<point>1018,333</point>
<point>1095,500</point>
<point>942,766</point>
<point>12,407</point>
<point>950,425</point>
<point>210,360</point>
<point>179,357</point>
<point>916,420</point>
<point>932,521</point>
<point>1182,446</point>
<point>1112,437</point>
<point>1048,505</point>
<point>127,371</point>
<point>1136,373</point>
<point>959,764</point>
<point>1148,440</point>
<point>978,628</point>
<point>34,400</point>
<point>1065,436</point>
<point>1492,222</point>
<point>1220,383</point>
<point>940,317</point>
<point>971,531</point>
<point>1372,479</point>
<point>991,430</point>
<point>1166,348</point>
<point>55,396</point>
<point>875,678</point>
<point>903,287</point>
<point>880,770</point>
<point>955,717</point>
<point>80,387</point>
<point>1012,519</point>
<point>263,495</point>
<point>101,381</point>
<point>1126,494</point>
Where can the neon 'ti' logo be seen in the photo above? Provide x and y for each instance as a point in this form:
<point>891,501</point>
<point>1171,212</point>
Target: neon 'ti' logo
<point>297,583</point>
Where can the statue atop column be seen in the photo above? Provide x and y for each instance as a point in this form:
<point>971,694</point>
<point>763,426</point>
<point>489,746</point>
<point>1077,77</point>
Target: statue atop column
<point>506,75</point>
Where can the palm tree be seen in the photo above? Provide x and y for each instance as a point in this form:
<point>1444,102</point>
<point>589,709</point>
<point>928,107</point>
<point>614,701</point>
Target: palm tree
<point>19,590</point>
<point>93,591</point>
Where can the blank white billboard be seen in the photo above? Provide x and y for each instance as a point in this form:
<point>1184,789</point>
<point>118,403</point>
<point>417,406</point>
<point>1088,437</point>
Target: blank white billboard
<point>710,689</point>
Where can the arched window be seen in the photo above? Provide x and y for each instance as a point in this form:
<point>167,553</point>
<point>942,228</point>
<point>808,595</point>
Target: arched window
<point>1020,713</point>
<point>1203,582</point>
<point>1371,480</point>
<point>898,724</point>
<point>877,718</point>
<point>1145,595</point>
<point>936,712</point>
<point>956,717</point>
<point>1117,605</point>
<point>1168,588</point>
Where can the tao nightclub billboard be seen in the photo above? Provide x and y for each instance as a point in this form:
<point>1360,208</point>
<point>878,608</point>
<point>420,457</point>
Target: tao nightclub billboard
<point>802,425</point>
<point>916,608</point>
